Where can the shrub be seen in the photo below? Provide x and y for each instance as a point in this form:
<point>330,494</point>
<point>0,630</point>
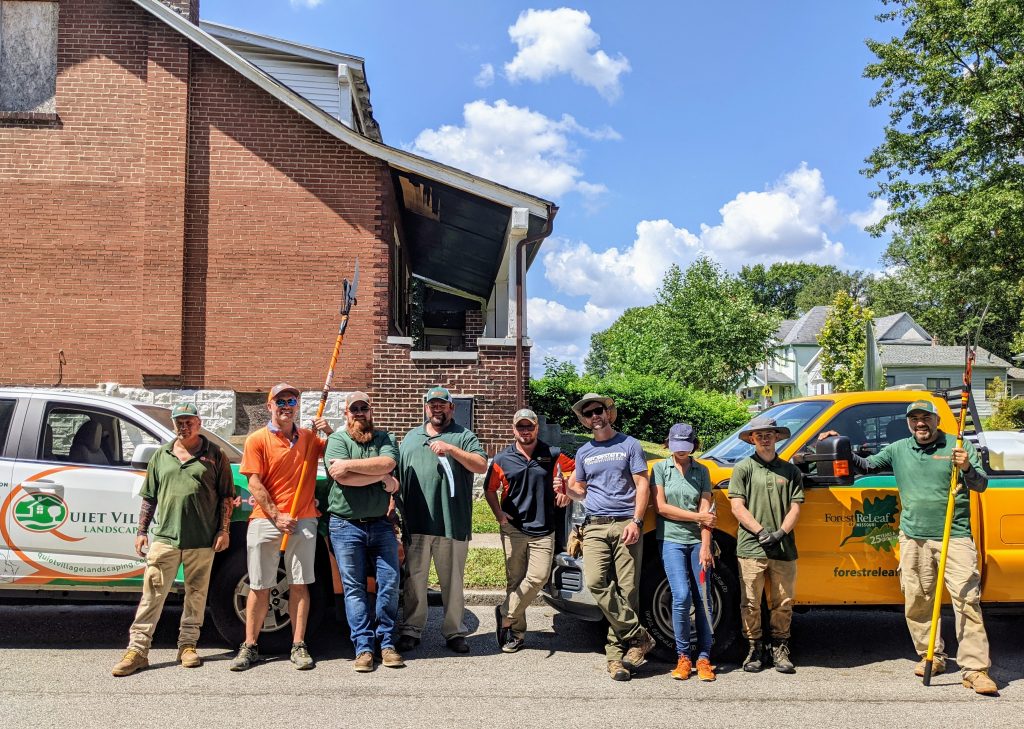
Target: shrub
<point>1009,414</point>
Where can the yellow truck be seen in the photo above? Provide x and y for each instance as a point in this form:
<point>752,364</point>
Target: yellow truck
<point>847,534</point>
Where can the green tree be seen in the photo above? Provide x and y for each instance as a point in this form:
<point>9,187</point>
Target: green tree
<point>822,289</point>
<point>790,289</point>
<point>843,341</point>
<point>629,345</point>
<point>951,165</point>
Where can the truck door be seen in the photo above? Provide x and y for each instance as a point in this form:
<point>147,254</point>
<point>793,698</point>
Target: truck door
<point>847,536</point>
<point>8,446</point>
<point>75,496</point>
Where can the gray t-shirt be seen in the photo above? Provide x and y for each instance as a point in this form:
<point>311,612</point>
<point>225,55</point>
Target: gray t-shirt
<point>607,467</point>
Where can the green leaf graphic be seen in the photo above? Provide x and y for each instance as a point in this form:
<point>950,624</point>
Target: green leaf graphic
<point>877,516</point>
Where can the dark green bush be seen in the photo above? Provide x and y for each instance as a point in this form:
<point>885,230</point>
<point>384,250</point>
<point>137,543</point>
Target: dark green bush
<point>1009,415</point>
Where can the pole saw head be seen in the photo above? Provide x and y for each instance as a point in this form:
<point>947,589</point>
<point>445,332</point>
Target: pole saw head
<point>349,291</point>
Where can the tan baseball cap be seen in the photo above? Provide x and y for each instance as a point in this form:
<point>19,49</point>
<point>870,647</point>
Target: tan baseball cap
<point>357,396</point>
<point>280,388</point>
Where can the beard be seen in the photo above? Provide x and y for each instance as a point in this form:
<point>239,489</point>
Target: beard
<point>361,431</point>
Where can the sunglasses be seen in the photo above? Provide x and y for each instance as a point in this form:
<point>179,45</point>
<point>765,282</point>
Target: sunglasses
<point>355,409</point>
<point>290,402</point>
<point>525,426</point>
<point>592,412</point>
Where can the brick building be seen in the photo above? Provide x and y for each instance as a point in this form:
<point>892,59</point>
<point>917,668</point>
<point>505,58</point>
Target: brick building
<point>176,216</point>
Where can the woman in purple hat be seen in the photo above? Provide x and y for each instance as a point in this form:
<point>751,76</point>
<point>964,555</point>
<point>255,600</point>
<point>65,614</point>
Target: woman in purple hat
<point>683,500</point>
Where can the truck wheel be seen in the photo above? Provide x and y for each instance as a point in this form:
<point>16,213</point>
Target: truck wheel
<point>229,589</point>
<point>656,607</point>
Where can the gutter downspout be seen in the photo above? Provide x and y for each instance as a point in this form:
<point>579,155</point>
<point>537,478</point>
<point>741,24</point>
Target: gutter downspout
<point>520,266</point>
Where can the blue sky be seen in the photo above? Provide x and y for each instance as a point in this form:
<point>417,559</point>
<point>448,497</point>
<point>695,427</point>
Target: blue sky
<point>663,131</point>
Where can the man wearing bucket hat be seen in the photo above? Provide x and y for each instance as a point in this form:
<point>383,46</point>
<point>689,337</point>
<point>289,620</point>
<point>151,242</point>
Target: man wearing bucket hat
<point>765,493</point>
<point>190,489</point>
<point>921,466</point>
<point>436,463</point>
<point>524,484</point>
<point>611,479</point>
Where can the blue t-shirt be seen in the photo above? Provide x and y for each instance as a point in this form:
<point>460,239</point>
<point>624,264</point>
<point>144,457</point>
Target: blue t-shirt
<point>607,467</point>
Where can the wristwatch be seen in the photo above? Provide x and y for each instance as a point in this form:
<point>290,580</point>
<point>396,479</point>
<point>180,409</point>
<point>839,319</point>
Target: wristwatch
<point>638,522</point>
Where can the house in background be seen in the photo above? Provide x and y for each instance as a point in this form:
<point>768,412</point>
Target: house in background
<point>908,355</point>
<point>185,199</point>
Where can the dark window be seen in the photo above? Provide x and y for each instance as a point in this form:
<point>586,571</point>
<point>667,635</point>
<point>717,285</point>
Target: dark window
<point>28,56</point>
<point>94,437</point>
<point>890,380</point>
<point>871,426</point>
<point>6,415</point>
<point>938,383</point>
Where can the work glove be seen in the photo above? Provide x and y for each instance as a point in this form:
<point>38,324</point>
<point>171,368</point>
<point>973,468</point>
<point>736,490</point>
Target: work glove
<point>765,538</point>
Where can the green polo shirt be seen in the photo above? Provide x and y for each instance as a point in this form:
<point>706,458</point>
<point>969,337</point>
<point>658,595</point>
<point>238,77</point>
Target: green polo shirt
<point>922,476</point>
<point>427,505</point>
<point>683,491</point>
<point>188,495</point>
<point>769,489</point>
<point>358,502</point>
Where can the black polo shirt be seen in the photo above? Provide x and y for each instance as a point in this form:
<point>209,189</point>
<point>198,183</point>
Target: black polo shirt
<point>525,487</point>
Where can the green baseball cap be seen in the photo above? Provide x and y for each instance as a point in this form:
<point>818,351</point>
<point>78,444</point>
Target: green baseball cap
<point>184,408</point>
<point>438,393</point>
<point>923,406</point>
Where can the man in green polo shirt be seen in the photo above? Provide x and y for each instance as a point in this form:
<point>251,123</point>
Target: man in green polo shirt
<point>436,464</point>
<point>360,460</point>
<point>190,490</point>
<point>765,493</point>
<point>922,466</point>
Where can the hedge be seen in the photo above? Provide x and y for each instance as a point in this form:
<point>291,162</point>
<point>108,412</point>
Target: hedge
<point>1009,415</point>
<point>647,405</point>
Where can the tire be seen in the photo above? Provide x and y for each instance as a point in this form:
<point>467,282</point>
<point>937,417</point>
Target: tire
<point>656,607</point>
<point>229,589</point>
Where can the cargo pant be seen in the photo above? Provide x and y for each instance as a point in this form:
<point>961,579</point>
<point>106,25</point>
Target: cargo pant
<point>162,562</point>
<point>919,566</point>
<point>779,577</point>
<point>449,557</point>
<point>527,568</point>
<point>611,570</point>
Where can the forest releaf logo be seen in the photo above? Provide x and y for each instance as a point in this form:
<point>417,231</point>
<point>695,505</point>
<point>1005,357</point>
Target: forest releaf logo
<point>875,523</point>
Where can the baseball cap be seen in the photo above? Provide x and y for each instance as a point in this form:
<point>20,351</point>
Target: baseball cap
<point>524,414</point>
<point>354,397</point>
<point>184,408</point>
<point>438,393</point>
<point>279,388</point>
<point>681,438</point>
<point>925,406</point>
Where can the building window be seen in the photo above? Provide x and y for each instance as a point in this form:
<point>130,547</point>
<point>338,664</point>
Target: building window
<point>938,383</point>
<point>890,380</point>
<point>28,58</point>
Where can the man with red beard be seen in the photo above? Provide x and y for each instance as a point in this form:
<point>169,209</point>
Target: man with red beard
<point>360,461</point>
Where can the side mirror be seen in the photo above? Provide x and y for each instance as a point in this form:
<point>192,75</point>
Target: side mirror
<point>143,454</point>
<point>834,457</point>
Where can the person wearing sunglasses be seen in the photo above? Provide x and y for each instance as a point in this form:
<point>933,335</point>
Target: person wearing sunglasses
<point>272,460</point>
<point>611,480</point>
<point>360,460</point>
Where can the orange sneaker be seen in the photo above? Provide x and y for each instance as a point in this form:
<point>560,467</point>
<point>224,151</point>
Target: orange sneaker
<point>705,672</point>
<point>683,668</point>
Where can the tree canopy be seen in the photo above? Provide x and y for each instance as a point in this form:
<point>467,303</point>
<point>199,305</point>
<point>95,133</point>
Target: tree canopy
<point>790,289</point>
<point>843,341</point>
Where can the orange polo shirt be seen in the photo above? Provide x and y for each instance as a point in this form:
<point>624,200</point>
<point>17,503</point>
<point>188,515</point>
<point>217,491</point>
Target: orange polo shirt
<point>277,460</point>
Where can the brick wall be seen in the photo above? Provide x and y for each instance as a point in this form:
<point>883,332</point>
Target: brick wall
<point>400,381</point>
<point>473,330</point>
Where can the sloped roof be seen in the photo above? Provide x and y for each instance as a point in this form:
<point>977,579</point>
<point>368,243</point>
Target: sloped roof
<point>1015,373</point>
<point>785,326</point>
<point>774,376</point>
<point>883,324</point>
<point>911,355</point>
<point>806,329</point>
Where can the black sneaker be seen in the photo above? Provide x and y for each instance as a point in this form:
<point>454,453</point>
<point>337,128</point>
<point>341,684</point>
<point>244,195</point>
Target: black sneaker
<point>500,631</point>
<point>754,661</point>
<point>512,644</point>
<point>406,643</point>
<point>248,656</point>
<point>457,644</point>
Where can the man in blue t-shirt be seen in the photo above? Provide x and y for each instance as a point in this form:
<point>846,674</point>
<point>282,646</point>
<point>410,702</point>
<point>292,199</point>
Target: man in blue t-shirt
<point>611,479</point>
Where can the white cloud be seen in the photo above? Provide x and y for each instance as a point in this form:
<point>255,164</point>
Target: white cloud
<point>486,76</point>
<point>305,3</point>
<point>561,332</point>
<point>864,218</point>
<point>560,41</point>
<point>515,146</point>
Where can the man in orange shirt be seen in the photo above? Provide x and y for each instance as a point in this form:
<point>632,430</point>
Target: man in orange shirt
<point>272,461</point>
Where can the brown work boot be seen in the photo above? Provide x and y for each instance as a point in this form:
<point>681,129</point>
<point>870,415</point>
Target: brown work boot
<point>636,656</point>
<point>188,657</point>
<point>618,671</point>
<point>363,663</point>
<point>683,668</point>
<point>981,683</point>
<point>132,662</point>
<point>705,671</point>
<point>391,658</point>
<point>938,666</point>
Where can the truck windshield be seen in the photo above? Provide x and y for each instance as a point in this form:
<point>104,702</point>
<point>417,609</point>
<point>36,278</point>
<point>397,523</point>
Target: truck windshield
<point>794,415</point>
<point>163,416</point>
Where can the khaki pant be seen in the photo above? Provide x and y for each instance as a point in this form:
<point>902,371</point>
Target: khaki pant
<point>449,557</point>
<point>779,577</point>
<point>162,563</point>
<point>611,570</point>
<point>527,568</point>
<point>919,566</point>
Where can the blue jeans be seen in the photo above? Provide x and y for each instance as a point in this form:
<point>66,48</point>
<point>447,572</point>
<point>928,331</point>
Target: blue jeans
<point>355,544</point>
<point>682,564</point>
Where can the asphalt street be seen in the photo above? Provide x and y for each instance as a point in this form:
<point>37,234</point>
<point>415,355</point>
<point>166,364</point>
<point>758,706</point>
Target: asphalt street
<point>854,670</point>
